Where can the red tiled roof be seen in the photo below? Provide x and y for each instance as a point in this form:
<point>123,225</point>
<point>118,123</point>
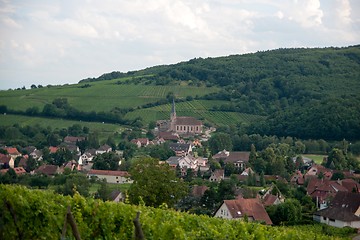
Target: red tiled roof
<point>342,207</point>
<point>53,149</point>
<point>12,151</point>
<point>249,207</point>
<point>73,139</point>
<point>4,158</point>
<point>351,185</point>
<point>168,136</point>
<point>187,121</point>
<point>269,200</point>
<point>47,169</point>
<point>109,173</point>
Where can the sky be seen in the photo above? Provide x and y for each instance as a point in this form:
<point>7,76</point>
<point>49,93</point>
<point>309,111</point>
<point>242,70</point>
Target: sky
<point>63,41</point>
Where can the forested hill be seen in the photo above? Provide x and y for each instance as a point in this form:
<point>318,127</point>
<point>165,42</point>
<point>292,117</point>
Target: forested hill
<point>306,93</point>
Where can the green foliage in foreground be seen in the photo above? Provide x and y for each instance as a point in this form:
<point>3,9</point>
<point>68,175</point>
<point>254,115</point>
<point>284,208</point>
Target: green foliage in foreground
<point>40,215</point>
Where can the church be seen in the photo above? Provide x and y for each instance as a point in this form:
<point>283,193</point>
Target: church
<point>180,125</point>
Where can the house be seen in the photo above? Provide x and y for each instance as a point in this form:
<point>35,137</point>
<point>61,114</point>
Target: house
<point>6,161</point>
<point>103,149</point>
<point>322,190</point>
<point>351,185</point>
<point>13,152</point>
<point>188,162</point>
<point>168,136</point>
<point>53,149</point>
<point>297,178</point>
<point>18,170</point>
<point>71,165</point>
<point>49,170</point>
<point>180,149</point>
<point>217,175</point>
<point>23,161</point>
<point>73,140</point>
<point>141,142</point>
<point>85,158</point>
<point>116,196</point>
<point>247,172</point>
<point>316,170</point>
<point>173,161</point>
<point>37,155</point>
<point>270,199</point>
<point>343,211</point>
<point>239,159</point>
<point>239,208</point>
<point>111,176</point>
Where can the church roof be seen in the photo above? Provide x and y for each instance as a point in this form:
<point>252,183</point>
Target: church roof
<point>187,121</point>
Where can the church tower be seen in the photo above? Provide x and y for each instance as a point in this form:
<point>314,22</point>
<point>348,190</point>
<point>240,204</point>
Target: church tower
<point>173,111</point>
<point>173,117</point>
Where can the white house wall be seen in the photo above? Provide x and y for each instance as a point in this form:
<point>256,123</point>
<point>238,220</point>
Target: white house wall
<point>223,212</point>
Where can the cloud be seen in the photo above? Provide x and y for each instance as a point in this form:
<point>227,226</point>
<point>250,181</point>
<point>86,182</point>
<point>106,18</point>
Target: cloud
<point>73,40</point>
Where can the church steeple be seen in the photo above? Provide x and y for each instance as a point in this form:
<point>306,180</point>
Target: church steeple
<point>173,111</point>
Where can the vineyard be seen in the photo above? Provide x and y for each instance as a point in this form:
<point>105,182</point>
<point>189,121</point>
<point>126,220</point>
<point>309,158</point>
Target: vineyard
<point>200,109</point>
<point>35,214</point>
<point>100,96</point>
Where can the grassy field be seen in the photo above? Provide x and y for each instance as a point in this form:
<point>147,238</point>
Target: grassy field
<point>101,128</point>
<point>100,96</point>
<point>197,108</point>
<point>317,158</point>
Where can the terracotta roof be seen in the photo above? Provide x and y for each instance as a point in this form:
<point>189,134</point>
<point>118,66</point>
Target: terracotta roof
<point>72,139</point>
<point>250,207</point>
<point>238,156</point>
<point>23,161</point>
<point>198,191</point>
<point>104,147</point>
<point>4,158</point>
<point>324,185</point>
<point>12,151</point>
<point>351,185</point>
<point>342,207</point>
<point>53,149</point>
<point>47,169</point>
<point>168,136</point>
<point>269,200</point>
<point>218,173</point>
<point>187,121</point>
<point>109,173</point>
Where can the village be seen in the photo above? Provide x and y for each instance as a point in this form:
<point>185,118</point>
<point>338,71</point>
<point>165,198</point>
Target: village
<point>327,195</point>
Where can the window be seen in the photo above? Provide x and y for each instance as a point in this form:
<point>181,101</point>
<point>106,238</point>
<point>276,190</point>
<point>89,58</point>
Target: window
<point>332,220</point>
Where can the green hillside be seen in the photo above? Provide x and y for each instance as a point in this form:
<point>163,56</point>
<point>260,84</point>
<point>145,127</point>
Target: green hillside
<point>99,96</point>
<point>304,93</point>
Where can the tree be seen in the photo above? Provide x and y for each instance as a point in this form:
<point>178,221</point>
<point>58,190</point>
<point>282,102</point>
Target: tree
<point>75,182</point>
<point>219,142</point>
<point>155,183</point>
<point>106,161</point>
<point>336,160</point>
<point>287,213</point>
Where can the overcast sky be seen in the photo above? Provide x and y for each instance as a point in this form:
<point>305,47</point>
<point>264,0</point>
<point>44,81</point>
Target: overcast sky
<point>64,41</point>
